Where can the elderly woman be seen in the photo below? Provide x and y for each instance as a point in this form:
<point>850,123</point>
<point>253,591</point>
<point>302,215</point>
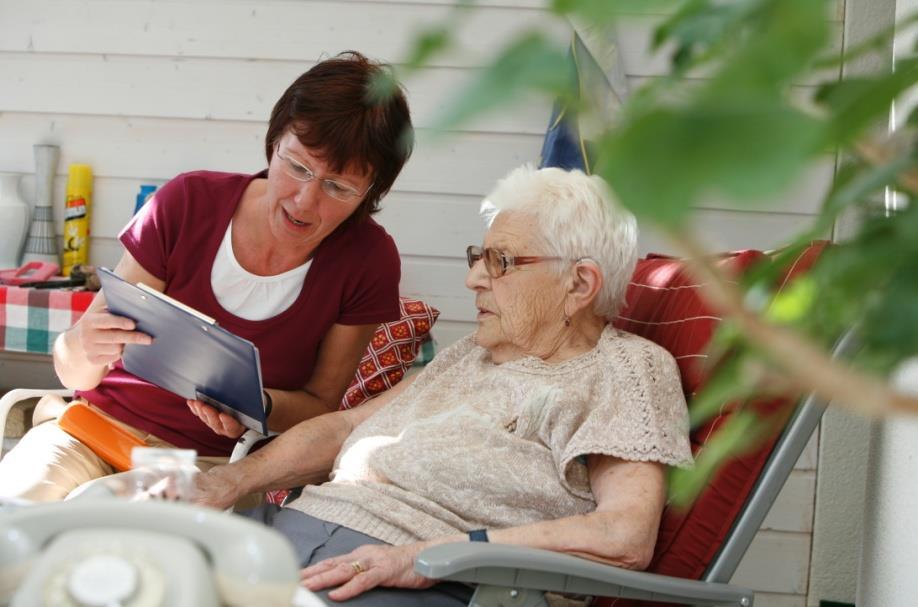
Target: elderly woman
<point>547,427</point>
<point>287,258</point>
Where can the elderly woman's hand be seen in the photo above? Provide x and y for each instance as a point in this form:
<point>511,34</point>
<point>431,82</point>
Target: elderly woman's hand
<point>365,568</point>
<point>216,488</point>
<point>220,423</point>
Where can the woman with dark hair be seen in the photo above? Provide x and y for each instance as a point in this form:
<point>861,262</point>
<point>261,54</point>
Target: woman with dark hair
<point>287,258</point>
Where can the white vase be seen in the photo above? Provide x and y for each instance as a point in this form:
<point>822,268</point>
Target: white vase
<point>14,221</point>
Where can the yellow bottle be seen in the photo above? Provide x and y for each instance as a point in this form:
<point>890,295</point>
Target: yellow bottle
<point>76,217</point>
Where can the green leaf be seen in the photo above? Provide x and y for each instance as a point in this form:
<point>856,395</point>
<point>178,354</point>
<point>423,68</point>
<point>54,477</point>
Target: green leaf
<point>912,119</point>
<point>428,44</point>
<point>794,302</point>
<point>701,24</point>
<point>878,42</point>
<point>740,433</point>
<point>382,86</point>
<point>765,273</point>
<point>662,162</point>
<point>857,185</point>
<point>857,103</point>
<point>601,12</point>
<point>725,386</point>
<point>531,62</point>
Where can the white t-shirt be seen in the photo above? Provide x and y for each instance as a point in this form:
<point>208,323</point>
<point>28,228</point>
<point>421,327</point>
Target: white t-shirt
<point>248,295</point>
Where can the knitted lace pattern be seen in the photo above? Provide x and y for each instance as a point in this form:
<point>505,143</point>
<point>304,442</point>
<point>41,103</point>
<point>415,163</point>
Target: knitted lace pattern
<point>472,444</point>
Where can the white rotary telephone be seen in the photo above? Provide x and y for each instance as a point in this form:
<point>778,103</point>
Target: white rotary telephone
<point>114,553</point>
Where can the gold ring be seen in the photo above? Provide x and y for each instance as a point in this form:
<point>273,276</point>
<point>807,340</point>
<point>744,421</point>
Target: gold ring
<point>357,567</point>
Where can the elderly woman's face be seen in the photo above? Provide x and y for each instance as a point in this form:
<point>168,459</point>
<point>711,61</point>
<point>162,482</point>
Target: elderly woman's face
<point>520,313</point>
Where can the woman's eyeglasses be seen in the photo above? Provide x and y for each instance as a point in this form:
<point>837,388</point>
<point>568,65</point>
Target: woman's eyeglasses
<point>497,262</point>
<point>299,171</point>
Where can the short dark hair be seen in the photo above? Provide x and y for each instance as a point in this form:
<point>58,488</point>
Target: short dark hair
<point>332,109</point>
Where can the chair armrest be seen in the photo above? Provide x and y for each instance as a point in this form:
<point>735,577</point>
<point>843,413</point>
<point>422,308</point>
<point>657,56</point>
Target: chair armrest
<point>14,397</point>
<point>520,567</point>
<point>244,444</point>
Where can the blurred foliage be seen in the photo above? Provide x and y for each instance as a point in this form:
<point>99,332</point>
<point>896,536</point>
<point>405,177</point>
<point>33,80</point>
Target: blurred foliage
<point>743,134</point>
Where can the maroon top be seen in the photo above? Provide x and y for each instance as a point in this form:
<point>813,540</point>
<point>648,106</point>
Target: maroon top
<point>353,280</point>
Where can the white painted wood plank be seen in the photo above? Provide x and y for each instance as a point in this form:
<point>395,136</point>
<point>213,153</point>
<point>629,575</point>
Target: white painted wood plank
<point>808,460</point>
<point>430,224</point>
<point>167,88</point>
<point>447,332</point>
<point>150,148</point>
<point>775,562</point>
<point>793,508</point>
<point>274,30</point>
<point>635,8</point>
<point>105,252</point>
<point>767,599</point>
<point>484,3</point>
<point>441,283</point>
<point>804,195</point>
<point>164,87</point>
<point>302,31</point>
<point>635,35</point>
<point>729,230</point>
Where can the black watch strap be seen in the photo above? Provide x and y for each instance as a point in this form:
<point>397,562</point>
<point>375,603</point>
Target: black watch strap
<point>269,403</point>
<point>478,535</point>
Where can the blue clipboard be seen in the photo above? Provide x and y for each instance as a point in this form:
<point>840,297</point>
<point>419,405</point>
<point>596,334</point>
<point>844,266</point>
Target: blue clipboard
<point>191,355</point>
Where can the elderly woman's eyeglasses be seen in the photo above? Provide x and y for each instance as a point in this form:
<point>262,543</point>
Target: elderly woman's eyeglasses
<point>299,171</point>
<point>497,262</point>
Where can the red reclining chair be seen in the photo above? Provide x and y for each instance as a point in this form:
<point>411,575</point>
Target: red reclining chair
<point>697,549</point>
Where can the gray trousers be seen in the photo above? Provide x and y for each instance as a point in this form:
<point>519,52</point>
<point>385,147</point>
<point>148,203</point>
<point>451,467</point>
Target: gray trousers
<point>315,540</point>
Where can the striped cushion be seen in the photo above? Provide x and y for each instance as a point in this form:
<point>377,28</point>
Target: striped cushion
<point>664,304</point>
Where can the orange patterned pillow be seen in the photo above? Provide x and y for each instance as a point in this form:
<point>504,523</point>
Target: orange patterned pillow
<point>393,348</point>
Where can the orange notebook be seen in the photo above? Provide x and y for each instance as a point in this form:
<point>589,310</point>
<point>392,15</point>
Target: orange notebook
<point>110,442</point>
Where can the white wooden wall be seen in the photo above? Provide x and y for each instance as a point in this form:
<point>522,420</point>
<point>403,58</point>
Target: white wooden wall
<point>143,90</point>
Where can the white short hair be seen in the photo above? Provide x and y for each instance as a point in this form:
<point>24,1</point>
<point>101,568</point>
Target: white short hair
<point>578,217</point>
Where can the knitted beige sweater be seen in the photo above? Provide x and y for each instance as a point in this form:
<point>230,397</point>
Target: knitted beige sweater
<point>472,444</point>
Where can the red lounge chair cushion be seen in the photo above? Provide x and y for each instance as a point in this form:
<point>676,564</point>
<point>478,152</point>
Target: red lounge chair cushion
<point>664,305</point>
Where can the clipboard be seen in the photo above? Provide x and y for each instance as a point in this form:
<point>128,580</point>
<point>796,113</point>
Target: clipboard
<point>191,355</point>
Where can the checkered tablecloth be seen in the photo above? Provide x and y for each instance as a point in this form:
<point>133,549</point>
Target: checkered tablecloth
<point>30,319</point>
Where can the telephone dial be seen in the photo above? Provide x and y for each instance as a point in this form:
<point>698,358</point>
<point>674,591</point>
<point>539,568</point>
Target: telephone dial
<point>115,553</point>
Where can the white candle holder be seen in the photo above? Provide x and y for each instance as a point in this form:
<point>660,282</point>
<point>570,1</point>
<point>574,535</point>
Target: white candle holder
<point>42,242</point>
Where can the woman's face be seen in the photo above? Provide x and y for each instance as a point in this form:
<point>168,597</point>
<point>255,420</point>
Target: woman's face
<point>522,312</point>
<point>302,213</point>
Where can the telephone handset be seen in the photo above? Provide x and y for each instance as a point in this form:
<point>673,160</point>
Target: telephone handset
<point>110,552</point>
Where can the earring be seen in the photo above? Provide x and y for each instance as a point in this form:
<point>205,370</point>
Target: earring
<point>567,321</point>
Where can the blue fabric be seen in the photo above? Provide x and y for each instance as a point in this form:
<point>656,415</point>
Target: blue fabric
<point>561,147</point>
<point>598,80</point>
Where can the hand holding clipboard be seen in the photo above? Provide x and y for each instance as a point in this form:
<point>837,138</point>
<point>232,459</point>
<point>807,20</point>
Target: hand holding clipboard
<point>191,355</point>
